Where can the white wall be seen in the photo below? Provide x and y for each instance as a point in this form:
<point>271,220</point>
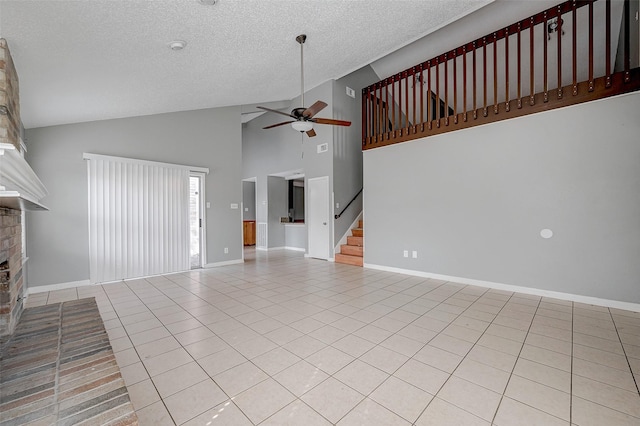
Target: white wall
<point>57,241</point>
<point>473,202</point>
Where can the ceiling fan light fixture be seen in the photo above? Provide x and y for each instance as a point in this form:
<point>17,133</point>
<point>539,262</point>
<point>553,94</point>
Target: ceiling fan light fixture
<point>302,126</point>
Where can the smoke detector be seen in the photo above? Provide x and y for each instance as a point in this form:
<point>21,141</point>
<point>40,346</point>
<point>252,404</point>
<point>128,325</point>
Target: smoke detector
<point>177,44</point>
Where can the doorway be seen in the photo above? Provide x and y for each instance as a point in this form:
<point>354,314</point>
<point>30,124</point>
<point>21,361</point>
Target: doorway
<point>319,217</point>
<point>196,220</point>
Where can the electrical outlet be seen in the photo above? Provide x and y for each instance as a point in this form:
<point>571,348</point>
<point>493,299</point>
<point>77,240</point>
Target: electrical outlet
<point>208,205</point>
<point>226,250</point>
<point>337,205</point>
<point>406,253</point>
<point>414,254</point>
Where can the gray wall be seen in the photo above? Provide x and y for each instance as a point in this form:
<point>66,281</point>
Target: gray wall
<point>347,147</point>
<point>278,196</point>
<point>266,152</point>
<point>473,202</point>
<point>295,235</point>
<point>57,241</point>
<point>249,200</point>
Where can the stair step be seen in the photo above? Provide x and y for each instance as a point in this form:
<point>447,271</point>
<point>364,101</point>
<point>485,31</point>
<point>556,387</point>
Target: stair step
<point>360,223</point>
<point>357,232</point>
<point>349,260</point>
<point>352,250</point>
<point>355,241</point>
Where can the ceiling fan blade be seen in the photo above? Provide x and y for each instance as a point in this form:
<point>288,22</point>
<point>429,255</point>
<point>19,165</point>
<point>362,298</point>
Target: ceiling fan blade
<point>276,111</point>
<point>314,109</point>
<point>311,133</point>
<point>278,124</point>
<point>331,121</point>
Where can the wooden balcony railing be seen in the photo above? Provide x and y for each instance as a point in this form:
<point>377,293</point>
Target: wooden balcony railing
<point>574,52</point>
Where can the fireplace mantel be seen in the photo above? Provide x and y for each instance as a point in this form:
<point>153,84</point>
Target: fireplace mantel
<point>20,187</point>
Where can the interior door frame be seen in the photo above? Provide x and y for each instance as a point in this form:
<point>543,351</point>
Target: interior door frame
<point>203,228</point>
<point>308,210</point>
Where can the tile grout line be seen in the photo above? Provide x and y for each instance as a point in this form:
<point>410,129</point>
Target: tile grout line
<point>134,346</point>
<point>464,357</point>
<point>57,367</point>
<point>626,357</point>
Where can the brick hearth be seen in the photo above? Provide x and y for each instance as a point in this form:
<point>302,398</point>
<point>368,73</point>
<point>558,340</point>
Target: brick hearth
<point>58,368</point>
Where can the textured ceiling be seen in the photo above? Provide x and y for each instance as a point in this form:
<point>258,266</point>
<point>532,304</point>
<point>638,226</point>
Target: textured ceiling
<point>98,59</point>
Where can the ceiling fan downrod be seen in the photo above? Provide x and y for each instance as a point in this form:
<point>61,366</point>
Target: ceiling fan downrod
<point>301,39</point>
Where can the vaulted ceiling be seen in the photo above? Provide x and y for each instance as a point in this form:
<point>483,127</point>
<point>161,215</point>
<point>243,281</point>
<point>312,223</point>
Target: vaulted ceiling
<point>91,60</point>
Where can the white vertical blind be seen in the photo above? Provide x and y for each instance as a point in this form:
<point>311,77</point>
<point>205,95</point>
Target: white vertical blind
<point>138,218</point>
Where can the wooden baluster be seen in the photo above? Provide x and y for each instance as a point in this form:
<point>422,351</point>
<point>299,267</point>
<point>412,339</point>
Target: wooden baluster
<point>495,73</point>
<point>392,106</point>
<point>415,83</point>
<point>401,114</point>
<point>545,97</point>
<point>376,112</point>
<point>379,112</point>
<point>591,83</point>
<point>387,120</point>
<point>519,66</point>
<point>608,44</point>
<point>380,109</point>
<point>430,100</point>
<point>421,68</point>
<point>507,105</point>
<point>406,101</point>
<point>446,90</point>
<point>475,83</point>
<point>455,88</point>
<point>370,113</point>
<point>464,82</point>
<point>627,39</point>
<point>574,24</point>
<point>437,93</point>
<point>484,65</point>
<point>364,117</point>
<point>532,83</point>
<point>559,39</point>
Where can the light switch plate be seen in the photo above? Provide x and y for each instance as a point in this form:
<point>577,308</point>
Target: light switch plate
<point>234,205</point>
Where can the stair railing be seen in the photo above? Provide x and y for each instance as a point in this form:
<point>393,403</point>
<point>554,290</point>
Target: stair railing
<point>347,206</point>
<point>546,61</point>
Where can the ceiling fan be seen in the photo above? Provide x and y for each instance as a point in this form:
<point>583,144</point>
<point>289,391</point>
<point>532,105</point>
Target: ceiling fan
<point>303,118</point>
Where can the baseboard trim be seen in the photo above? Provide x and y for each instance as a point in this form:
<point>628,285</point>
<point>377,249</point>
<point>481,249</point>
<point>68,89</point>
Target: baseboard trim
<point>60,286</point>
<point>224,263</point>
<point>295,248</point>
<point>589,300</point>
<point>281,248</point>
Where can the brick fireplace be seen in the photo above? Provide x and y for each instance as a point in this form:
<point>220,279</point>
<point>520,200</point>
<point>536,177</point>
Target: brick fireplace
<point>20,189</point>
<point>11,280</point>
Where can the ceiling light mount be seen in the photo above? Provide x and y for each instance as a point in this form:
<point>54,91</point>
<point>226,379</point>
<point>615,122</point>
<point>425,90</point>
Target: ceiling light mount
<point>177,45</point>
<point>208,2</point>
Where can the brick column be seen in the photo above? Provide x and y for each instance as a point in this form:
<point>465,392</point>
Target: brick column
<point>11,288</point>
<point>9,98</point>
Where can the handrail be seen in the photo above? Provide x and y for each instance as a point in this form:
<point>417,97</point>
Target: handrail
<point>516,70</point>
<point>347,206</point>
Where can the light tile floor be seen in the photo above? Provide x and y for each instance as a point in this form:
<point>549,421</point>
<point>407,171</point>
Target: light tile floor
<point>284,340</point>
